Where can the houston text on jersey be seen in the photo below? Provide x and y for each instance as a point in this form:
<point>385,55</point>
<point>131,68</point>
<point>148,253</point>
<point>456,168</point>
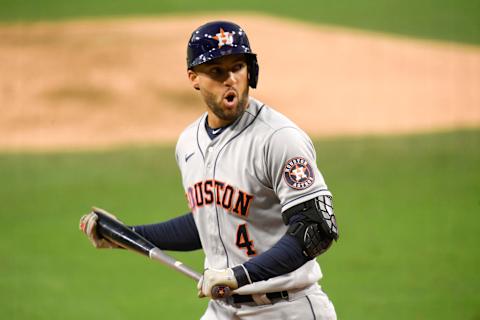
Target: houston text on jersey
<point>224,195</point>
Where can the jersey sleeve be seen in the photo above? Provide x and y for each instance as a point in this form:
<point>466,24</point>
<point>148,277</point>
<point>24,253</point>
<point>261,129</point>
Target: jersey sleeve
<point>284,257</point>
<point>290,160</point>
<point>177,234</point>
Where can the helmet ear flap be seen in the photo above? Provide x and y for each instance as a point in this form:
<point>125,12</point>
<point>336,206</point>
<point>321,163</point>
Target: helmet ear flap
<point>253,70</point>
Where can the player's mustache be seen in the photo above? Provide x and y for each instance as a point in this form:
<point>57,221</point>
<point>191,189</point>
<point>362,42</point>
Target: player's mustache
<point>230,91</point>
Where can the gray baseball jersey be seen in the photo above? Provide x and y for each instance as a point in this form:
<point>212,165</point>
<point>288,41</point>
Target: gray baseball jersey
<point>239,183</point>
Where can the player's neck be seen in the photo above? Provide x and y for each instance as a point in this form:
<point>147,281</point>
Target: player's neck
<point>214,132</point>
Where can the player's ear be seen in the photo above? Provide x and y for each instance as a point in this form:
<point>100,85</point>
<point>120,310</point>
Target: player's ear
<point>193,76</point>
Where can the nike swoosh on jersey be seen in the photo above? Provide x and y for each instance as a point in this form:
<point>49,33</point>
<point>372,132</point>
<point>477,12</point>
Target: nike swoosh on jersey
<point>216,130</point>
<point>188,156</point>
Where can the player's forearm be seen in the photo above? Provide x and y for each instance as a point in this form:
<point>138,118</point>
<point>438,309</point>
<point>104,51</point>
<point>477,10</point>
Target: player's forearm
<point>177,234</point>
<point>306,238</point>
<point>284,257</point>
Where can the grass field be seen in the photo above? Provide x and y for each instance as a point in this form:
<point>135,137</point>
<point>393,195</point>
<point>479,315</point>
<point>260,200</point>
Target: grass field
<point>407,208</point>
<point>453,20</point>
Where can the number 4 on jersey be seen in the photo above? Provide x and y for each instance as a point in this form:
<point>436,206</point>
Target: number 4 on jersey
<point>243,240</point>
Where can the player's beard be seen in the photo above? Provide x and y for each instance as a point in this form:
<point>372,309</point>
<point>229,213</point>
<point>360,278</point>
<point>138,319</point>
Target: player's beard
<point>227,115</point>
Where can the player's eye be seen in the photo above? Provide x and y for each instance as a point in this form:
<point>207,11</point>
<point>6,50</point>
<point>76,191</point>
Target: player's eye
<point>238,66</point>
<point>215,71</point>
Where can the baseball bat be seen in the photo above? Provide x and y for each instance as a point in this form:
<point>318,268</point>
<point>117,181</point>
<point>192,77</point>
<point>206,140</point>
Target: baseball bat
<point>120,234</point>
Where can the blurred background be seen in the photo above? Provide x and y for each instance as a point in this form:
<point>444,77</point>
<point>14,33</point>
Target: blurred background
<point>94,94</point>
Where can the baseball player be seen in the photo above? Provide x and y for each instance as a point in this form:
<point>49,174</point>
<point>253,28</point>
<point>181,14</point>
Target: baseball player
<point>260,208</point>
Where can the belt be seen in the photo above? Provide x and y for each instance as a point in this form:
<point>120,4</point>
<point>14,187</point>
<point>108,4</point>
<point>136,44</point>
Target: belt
<point>271,296</point>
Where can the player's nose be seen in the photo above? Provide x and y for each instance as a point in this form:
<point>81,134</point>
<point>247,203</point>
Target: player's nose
<point>231,78</point>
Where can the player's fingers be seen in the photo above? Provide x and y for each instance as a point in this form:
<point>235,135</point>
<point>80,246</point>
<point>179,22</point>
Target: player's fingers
<point>91,224</point>
<point>91,230</point>
<point>101,243</point>
<point>83,223</point>
<point>88,224</point>
<point>95,209</point>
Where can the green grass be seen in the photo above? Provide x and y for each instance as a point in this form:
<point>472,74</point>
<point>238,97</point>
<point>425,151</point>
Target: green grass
<point>453,20</point>
<point>408,209</point>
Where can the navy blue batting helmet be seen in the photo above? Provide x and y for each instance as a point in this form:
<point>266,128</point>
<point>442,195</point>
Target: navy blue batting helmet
<point>221,38</point>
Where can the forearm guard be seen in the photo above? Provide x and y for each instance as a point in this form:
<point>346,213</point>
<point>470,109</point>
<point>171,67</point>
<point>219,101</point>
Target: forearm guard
<point>313,225</point>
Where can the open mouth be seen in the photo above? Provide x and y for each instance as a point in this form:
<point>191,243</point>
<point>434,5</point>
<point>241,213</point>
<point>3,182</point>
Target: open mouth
<point>230,98</point>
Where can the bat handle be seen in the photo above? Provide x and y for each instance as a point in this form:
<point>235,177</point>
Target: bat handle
<point>219,292</point>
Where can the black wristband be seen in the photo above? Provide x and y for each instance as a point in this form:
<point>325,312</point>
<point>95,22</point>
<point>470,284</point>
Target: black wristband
<point>241,275</point>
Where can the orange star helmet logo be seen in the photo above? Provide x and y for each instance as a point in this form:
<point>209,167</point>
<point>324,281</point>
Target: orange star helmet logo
<point>224,38</point>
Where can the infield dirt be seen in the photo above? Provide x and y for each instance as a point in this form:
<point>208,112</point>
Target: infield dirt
<point>101,83</point>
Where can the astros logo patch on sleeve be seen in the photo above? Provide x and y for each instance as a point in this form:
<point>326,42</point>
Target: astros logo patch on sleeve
<point>298,173</point>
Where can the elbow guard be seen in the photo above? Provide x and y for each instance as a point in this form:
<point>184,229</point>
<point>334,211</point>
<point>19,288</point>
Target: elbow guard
<point>313,225</point>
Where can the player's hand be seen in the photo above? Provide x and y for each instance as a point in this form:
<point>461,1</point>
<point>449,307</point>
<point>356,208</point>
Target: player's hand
<point>214,277</point>
<point>88,225</point>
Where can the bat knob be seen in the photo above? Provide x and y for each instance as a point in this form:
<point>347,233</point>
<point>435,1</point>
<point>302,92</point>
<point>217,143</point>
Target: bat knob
<point>219,292</point>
